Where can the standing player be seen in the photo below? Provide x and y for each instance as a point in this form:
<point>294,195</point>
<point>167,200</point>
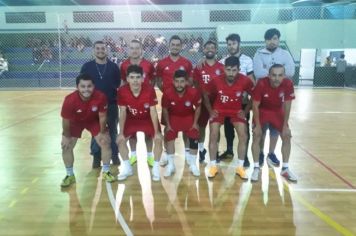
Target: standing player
<point>167,66</point>
<point>228,104</point>
<point>262,61</point>
<point>181,110</point>
<point>203,77</point>
<point>106,77</point>
<point>137,103</point>
<point>85,108</point>
<point>272,100</point>
<point>135,58</point>
<point>246,68</point>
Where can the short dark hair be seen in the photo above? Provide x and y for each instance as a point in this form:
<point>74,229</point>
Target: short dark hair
<point>98,42</point>
<point>136,41</point>
<point>275,66</point>
<point>83,76</point>
<point>342,56</point>
<point>175,37</point>
<point>180,73</point>
<point>272,32</point>
<point>233,37</point>
<point>134,69</point>
<point>232,61</point>
<point>210,42</point>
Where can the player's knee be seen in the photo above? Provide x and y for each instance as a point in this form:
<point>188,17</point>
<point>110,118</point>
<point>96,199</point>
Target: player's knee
<point>242,137</point>
<point>193,144</point>
<point>286,138</point>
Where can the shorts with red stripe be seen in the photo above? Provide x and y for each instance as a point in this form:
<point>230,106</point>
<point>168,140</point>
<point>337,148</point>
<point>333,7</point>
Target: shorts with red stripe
<point>77,128</point>
<point>234,118</point>
<point>134,126</point>
<point>183,124</point>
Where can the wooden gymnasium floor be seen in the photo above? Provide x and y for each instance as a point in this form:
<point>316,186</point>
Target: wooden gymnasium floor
<point>323,202</point>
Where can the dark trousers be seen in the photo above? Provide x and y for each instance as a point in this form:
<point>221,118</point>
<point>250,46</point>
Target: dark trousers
<point>230,132</point>
<point>112,122</point>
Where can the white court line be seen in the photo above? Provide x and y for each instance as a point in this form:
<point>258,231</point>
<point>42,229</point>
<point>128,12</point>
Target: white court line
<point>119,217</point>
<point>325,112</point>
<point>332,190</point>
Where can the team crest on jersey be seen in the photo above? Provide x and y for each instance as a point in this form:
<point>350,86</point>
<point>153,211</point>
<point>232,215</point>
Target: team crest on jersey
<point>281,94</point>
<point>238,94</point>
<point>173,103</point>
<point>167,68</point>
<point>188,103</point>
<point>94,108</point>
<point>217,72</point>
<point>146,105</point>
<point>181,68</point>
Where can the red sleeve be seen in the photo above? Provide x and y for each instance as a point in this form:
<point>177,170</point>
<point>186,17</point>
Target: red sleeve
<point>103,107</point>
<point>257,92</point>
<point>120,97</point>
<point>67,109</point>
<point>153,98</point>
<point>249,85</point>
<point>123,72</point>
<point>159,69</point>
<point>289,94</point>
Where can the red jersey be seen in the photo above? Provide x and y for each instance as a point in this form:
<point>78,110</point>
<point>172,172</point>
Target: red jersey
<point>181,106</point>
<point>137,107</point>
<point>204,76</point>
<point>166,67</point>
<point>147,67</point>
<point>272,99</point>
<point>229,98</point>
<point>76,110</point>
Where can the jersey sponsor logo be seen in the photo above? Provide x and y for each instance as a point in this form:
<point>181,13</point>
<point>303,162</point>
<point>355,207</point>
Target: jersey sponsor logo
<point>224,98</point>
<point>205,78</point>
<point>94,108</point>
<point>146,105</point>
<point>187,103</point>
<point>133,111</point>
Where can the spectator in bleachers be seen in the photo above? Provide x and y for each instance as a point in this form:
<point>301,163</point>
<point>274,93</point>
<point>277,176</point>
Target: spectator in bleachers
<point>36,55</point>
<point>341,65</point>
<point>46,53</point>
<point>328,61</point>
<point>4,66</point>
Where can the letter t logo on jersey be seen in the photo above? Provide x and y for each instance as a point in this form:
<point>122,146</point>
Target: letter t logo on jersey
<point>224,98</point>
<point>132,111</point>
<point>206,78</point>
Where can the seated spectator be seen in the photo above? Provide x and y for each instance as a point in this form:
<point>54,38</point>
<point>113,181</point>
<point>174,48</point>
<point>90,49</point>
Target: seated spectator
<point>4,66</point>
<point>46,54</point>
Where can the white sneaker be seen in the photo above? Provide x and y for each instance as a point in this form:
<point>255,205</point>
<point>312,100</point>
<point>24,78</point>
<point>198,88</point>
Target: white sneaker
<point>163,161</point>
<point>170,169</point>
<point>194,169</point>
<point>125,172</point>
<point>188,159</point>
<point>255,174</point>
<point>286,173</point>
<point>155,172</point>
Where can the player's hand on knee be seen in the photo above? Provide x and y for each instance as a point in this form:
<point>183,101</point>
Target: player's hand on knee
<point>104,138</point>
<point>66,142</point>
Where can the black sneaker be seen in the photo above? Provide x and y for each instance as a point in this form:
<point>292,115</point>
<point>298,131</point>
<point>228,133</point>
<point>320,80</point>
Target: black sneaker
<point>202,155</point>
<point>272,160</point>
<point>261,159</point>
<point>217,157</point>
<point>115,161</point>
<point>96,161</point>
<point>226,155</point>
<point>246,162</point>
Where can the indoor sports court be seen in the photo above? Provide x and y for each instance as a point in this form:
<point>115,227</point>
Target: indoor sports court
<point>44,45</point>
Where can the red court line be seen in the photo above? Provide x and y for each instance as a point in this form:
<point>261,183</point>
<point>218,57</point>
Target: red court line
<point>326,166</point>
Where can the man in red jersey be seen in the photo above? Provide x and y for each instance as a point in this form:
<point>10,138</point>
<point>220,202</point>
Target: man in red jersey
<point>181,110</point>
<point>174,61</point>
<point>137,103</point>
<point>165,71</point>
<point>135,58</point>
<point>272,100</point>
<point>202,78</point>
<point>85,108</point>
<point>228,103</point>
